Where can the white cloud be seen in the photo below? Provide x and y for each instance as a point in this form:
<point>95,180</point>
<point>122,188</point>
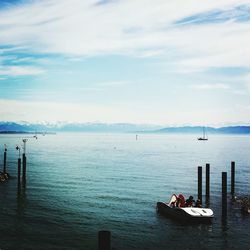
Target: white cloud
<point>247,81</point>
<point>20,70</point>
<point>113,83</point>
<point>213,86</point>
<point>53,111</point>
<point>72,112</point>
<point>137,27</point>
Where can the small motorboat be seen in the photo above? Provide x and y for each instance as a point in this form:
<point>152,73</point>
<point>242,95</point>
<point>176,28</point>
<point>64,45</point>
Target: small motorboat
<point>182,213</point>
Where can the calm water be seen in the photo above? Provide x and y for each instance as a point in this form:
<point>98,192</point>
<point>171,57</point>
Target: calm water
<point>78,184</point>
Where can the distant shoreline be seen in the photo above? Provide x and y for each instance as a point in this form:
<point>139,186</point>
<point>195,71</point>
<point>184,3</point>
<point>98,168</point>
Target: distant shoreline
<point>240,130</point>
<point>120,132</point>
<point>27,132</point>
<point>26,128</point>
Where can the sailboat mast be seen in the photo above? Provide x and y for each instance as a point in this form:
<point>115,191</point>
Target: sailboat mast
<point>204,137</point>
<point>205,133</point>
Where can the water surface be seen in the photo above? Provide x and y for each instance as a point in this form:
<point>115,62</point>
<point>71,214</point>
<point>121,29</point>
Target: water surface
<point>78,184</point>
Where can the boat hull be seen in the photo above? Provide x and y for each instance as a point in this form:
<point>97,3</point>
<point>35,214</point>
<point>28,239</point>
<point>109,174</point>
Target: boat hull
<point>193,215</point>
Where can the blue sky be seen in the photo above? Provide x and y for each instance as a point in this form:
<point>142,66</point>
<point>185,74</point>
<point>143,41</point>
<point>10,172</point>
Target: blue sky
<point>138,61</point>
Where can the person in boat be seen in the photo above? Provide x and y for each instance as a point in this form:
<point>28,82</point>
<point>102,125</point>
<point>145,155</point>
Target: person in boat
<point>178,202</point>
<point>181,200</point>
<point>198,203</point>
<point>173,203</point>
<point>190,201</point>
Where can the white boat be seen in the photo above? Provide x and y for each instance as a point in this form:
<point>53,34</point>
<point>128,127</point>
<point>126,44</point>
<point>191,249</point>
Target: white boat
<point>182,213</point>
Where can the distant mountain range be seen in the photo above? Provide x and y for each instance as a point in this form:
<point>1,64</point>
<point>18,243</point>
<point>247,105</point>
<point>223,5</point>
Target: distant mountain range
<point>209,130</point>
<point>12,127</point>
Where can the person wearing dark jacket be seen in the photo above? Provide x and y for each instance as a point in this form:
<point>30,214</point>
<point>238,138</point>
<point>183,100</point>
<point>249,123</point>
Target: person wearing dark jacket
<point>190,201</point>
<point>198,203</point>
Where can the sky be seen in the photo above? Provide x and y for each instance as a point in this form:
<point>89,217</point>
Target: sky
<point>166,62</point>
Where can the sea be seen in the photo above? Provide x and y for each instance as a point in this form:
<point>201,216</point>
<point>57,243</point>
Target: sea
<point>81,183</point>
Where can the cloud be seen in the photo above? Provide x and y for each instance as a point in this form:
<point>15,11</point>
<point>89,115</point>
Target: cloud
<point>34,111</point>
<point>238,14</point>
<point>113,83</point>
<point>235,85</point>
<point>82,28</point>
<point>20,71</point>
<point>214,86</point>
<point>247,81</point>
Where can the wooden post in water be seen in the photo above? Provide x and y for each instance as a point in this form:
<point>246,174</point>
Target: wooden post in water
<point>24,169</point>
<point>24,161</point>
<point>224,195</point>
<point>18,172</point>
<point>104,240</point>
<point>19,176</point>
<point>207,181</point>
<point>232,178</point>
<point>5,161</point>
<point>200,183</point>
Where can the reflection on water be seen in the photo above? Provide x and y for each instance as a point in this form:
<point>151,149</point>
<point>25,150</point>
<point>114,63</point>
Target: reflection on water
<point>79,184</point>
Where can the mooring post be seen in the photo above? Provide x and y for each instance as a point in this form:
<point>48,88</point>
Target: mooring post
<point>232,178</point>
<point>104,240</point>
<point>200,183</point>
<point>5,161</point>
<point>224,194</point>
<point>18,172</point>
<point>19,176</point>
<point>207,181</point>
<point>24,169</point>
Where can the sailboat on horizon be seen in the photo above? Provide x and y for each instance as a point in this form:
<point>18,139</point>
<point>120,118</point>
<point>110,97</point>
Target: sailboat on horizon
<point>204,137</point>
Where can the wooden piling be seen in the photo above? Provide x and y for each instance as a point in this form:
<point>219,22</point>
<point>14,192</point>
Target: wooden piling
<point>18,177</point>
<point>4,161</point>
<point>24,169</point>
<point>19,172</point>
<point>224,195</point>
<point>232,177</point>
<point>207,181</point>
<point>104,240</point>
<point>200,183</point>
